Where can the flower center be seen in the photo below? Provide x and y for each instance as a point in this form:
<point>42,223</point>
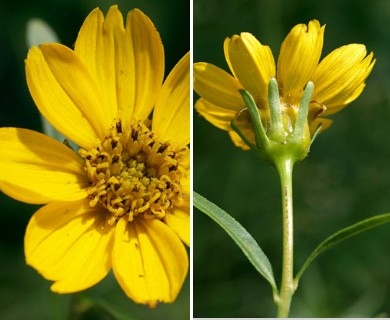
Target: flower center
<point>132,173</point>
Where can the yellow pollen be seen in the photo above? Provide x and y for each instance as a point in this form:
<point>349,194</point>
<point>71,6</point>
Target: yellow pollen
<point>132,173</point>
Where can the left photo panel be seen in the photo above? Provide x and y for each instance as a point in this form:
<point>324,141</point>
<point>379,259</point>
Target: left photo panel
<point>95,160</point>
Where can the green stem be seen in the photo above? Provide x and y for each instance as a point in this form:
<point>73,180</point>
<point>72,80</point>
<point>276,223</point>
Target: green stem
<point>285,168</point>
<point>79,305</point>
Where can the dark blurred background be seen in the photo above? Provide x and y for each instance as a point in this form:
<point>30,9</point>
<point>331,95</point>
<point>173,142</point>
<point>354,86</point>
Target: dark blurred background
<point>346,177</point>
<point>24,294</point>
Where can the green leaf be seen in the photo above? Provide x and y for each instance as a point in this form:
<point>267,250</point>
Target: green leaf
<point>342,235</point>
<point>243,239</point>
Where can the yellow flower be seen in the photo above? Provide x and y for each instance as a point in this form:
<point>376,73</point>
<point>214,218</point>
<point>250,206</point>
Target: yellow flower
<point>122,201</point>
<point>338,79</point>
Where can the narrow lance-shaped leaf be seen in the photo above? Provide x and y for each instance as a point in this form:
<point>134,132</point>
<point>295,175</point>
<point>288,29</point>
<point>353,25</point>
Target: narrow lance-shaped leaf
<point>342,235</point>
<point>243,239</point>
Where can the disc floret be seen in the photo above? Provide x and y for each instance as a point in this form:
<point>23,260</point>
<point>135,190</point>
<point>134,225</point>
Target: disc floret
<point>131,173</point>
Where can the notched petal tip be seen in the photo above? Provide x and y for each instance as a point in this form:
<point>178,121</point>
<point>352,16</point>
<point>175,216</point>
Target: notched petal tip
<point>141,16</point>
<point>299,56</point>
<point>341,75</point>
<point>314,24</point>
<point>114,19</point>
<point>303,28</point>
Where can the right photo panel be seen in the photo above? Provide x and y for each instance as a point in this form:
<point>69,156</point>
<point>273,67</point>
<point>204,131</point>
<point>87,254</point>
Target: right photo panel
<point>291,171</point>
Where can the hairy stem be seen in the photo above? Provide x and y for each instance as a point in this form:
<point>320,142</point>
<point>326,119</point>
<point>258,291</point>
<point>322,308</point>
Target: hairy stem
<point>285,168</point>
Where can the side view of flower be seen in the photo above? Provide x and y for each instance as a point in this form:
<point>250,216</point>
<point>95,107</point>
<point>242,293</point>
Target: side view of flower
<point>277,110</point>
<point>122,201</point>
<point>338,80</point>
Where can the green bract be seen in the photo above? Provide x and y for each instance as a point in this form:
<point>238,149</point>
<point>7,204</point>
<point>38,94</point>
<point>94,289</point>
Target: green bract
<point>284,134</point>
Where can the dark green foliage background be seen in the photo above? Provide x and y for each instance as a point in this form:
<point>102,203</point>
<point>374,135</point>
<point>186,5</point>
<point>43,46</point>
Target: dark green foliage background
<point>345,178</point>
<point>24,294</point>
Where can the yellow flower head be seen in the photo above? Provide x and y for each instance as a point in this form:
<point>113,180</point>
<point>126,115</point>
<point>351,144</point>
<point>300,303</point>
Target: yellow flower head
<point>338,79</point>
<point>122,201</point>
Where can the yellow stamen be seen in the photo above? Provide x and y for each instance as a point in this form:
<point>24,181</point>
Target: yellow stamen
<point>133,173</point>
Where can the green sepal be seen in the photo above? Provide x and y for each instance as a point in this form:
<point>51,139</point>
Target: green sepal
<point>260,134</point>
<point>276,132</point>
<point>274,142</point>
<point>301,122</point>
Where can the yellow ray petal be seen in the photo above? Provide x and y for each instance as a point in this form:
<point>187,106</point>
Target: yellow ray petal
<point>316,123</point>
<point>171,115</point>
<point>179,221</point>
<point>217,116</point>
<point>298,58</point>
<point>251,63</point>
<point>104,48</point>
<point>78,84</point>
<point>339,78</point>
<point>247,131</point>
<point>344,101</point>
<point>37,169</point>
<point>149,261</point>
<point>69,243</point>
<point>61,90</point>
<point>147,64</point>
<point>217,86</point>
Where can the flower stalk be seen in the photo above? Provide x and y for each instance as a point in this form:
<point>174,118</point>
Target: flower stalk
<point>282,146</point>
<point>285,169</point>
